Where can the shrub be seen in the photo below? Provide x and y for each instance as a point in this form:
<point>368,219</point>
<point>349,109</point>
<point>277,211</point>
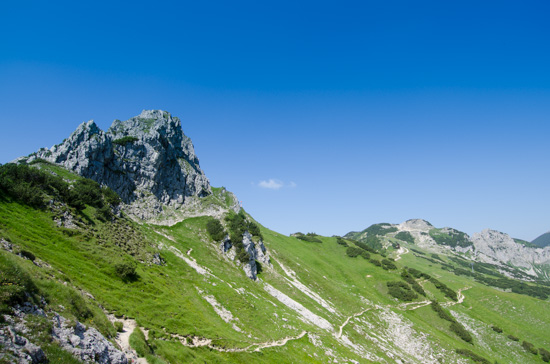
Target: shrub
<point>405,236</point>
<point>110,196</point>
<point>545,355</point>
<point>126,269</point>
<point>365,255</point>
<point>529,347</point>
<point>215,229</point>
<point>375,262</point>
<point>341,241</point>
<point>125,140</point>
<point>513,338</point>
<point>119,326</point>
<point>441,312</point>
<point>476,358</point>
<point>104,213</point>
<point>401,291</point>
<point>27,254</point>
<point>461,332</point>
<point>86,192</point>
<point>243,256</point>
<point>310,237</point>
<point>496,329</point>
<point>353,252</point>
<point>388,264</point>
<point>414,284</point>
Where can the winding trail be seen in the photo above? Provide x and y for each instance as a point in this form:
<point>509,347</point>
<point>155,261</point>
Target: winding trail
<point>400,252</point>
<point>123,339</point>
<point>197,342</point>
<point>339,334</point>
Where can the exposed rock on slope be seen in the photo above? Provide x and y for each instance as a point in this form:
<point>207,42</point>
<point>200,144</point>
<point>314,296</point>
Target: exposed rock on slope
<point>147,160</point>
<point>501,247</point>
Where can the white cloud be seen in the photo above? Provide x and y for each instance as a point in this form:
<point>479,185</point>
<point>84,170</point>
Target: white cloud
<point>272,184</point>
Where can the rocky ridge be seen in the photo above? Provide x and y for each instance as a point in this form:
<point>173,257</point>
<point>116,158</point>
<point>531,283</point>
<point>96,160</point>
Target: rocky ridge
<point>147,160</point>
<point>488,246</point>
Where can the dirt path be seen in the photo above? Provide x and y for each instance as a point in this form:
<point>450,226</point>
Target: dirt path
<point>460,298</point>
<point>199,342</point>
<point>400,252</point>
<point>123,339</point>
<point>339,334</point>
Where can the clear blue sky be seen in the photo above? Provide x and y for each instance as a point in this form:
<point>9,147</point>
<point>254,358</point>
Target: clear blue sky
<point>358,111</point>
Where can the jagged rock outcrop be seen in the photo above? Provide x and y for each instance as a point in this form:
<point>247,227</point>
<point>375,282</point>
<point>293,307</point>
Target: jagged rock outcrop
<point>87,344</point>
<point>501,247</point>
<point>18,349</point>
<point>256,252</point>
<point>147,160</point>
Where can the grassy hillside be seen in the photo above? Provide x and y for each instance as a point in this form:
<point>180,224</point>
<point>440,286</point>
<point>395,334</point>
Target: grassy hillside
<point>317,302</point>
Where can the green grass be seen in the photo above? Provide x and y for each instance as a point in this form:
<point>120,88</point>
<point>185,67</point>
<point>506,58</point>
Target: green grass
<point>170,299</point>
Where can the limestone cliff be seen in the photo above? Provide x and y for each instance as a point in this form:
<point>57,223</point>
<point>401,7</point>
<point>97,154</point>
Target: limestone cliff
<point>147,160</point>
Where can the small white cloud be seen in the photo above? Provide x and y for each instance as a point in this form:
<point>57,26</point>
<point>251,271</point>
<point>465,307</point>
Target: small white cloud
<point>271,184</point>
<point>292,184</point>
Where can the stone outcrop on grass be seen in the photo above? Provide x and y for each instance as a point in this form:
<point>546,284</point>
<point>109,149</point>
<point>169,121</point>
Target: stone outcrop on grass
<point>147,160</point>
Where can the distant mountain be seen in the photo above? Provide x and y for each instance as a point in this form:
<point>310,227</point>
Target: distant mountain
<point>488,246</point>
<point>543,240</point>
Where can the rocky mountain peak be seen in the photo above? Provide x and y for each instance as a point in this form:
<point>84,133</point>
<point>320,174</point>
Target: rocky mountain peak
<point>416,225</point>
<point>147,160</point>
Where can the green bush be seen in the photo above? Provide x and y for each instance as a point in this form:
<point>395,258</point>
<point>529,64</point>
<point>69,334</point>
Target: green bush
<point>125,140</point>
<point>365,255</point>
<point>496,329</point>
<point>119,326</point>
<point>405,236</point>
<point>388,264</point>
<point>104,213</point>
<point>353,252</point>
<point>86,192</point>
<point>126,269</point>
<point>27,254</point>
<point>341,241</point>
<point>110,196</point>
<point>461,331</point>
<point>401,291</point>
<point>441,312</point>
<point>414,284</point>
<point>375,262</point>
<point>215,229</point>
<point>469,354</point>
<point>529,347</point>
<point>513,338</point>
<point>545,355</point>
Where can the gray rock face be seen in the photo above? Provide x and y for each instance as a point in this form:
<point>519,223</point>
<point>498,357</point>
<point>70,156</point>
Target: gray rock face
<point>86,344</point>
<point>18,349</point>
<point>257,252</point>
<point>501,247</point>
<point>147,160</point>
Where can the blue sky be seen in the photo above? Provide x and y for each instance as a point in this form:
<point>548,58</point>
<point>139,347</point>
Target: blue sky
<point>320,116</point>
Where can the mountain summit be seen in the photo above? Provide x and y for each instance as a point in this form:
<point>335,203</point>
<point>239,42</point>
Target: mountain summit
<point>147,160</point>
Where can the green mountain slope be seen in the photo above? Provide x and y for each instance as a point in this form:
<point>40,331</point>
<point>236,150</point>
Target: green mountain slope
<point>542,241</point>
<point>317,302</point>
